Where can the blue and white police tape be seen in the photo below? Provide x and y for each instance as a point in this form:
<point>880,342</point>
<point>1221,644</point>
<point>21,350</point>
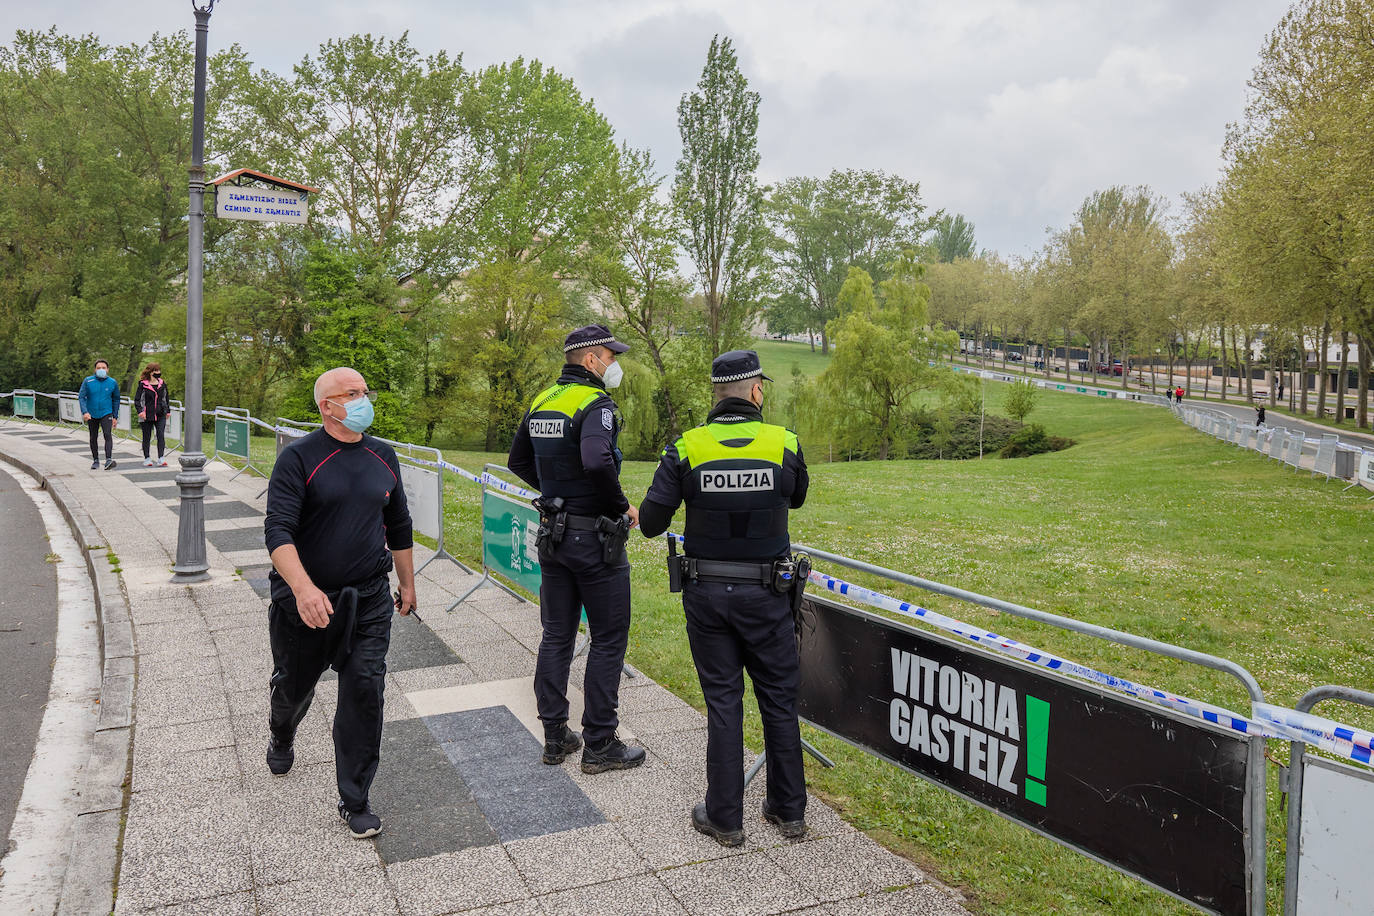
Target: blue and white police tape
<point>1282,723</point>
<point>460,472</point>
<point>497,483</point>
<point>1324,733</point>
<point>489,479</point>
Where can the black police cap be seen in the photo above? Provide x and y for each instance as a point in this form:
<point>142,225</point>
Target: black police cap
<point>736,366</point>
<point>593,335</point>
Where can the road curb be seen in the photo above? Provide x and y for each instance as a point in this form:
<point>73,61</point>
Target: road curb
<point>93,863</point>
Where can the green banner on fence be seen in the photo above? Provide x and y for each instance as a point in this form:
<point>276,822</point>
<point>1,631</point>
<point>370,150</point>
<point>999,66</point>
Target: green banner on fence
<point>24,405</point>
<point>231,437</point>
<point>508,531</point>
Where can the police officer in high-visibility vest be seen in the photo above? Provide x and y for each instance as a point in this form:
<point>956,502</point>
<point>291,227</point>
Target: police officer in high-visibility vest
<point>738,477</point>
<point>566,447</point>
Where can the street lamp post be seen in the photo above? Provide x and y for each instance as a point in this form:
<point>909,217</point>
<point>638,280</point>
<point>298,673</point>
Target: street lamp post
<point>191,564</point>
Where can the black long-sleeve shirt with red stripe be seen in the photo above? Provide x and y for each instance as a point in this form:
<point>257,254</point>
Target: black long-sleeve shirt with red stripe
<point>342,505</point>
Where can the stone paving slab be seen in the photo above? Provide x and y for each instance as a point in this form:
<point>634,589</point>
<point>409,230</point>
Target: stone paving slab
<point>474,823</point>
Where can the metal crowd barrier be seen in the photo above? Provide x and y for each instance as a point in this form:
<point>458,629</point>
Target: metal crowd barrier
<point>1328,455</point>
<point>1255,771</point>
<point>1331,890</point>
<point>517,549</point>
<point>418,462</point>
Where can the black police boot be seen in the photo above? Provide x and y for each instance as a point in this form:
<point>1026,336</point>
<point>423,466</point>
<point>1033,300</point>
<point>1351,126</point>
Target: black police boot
<point>559,742</point>
<point>703,825</point>
<point>791,830</point>
<point>280,756</point>
<point>611,754</point>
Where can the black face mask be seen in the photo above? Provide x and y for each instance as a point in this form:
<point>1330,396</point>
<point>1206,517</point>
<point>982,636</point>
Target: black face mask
<point>157,375</point>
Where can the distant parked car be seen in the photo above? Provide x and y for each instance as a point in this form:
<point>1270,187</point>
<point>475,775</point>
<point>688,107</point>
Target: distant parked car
<point>1014,356</point>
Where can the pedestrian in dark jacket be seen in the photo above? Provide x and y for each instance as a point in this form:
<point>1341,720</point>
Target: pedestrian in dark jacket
<point>153,403</point>
<point>1259,414</point>
<point>99,400</point>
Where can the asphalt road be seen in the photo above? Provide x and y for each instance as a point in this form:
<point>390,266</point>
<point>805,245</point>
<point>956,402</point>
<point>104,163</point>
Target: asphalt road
<point>28,625</point>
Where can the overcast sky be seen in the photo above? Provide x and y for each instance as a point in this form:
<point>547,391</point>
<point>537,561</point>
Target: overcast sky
<point>1008,111</point>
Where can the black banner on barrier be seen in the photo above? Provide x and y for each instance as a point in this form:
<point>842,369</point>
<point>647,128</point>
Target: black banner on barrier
<point>1160,797</point>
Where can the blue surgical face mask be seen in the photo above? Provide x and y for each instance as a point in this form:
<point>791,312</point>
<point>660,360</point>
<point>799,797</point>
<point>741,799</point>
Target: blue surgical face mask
<point>101,373</point>
<point>358,414</point>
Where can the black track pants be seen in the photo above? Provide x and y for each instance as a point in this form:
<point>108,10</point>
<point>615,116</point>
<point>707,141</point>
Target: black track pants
<point>300,656</point>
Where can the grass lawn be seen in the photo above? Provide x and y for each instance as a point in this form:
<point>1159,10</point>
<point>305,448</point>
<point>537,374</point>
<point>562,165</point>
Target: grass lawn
<point>779,356</point>
<point>1144,525</point>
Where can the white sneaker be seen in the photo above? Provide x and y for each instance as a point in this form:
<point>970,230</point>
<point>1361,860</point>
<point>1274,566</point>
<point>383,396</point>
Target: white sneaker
<point>148,462</point>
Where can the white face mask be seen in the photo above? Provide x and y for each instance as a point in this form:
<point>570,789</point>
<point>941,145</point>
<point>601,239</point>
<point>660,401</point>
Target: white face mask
<point>612,376</point>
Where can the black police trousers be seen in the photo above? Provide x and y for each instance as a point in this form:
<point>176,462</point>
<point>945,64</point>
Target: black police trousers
<point>575,576</point>
<point>735,627</point>
<point>300,655</point>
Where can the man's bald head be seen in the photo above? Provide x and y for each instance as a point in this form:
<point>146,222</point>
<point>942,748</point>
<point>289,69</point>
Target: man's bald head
<point>334,384</point>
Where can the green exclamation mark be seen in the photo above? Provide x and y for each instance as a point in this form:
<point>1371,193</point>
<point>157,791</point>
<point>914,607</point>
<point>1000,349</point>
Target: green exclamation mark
<point>1037,741</point>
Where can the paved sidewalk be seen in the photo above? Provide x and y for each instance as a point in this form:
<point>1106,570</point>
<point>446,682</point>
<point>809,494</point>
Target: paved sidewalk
<point>473,821</point>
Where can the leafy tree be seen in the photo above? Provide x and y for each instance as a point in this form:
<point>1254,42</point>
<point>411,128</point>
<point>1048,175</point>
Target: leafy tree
<point>1020,399</point>
<point>94,143</point>
<point>1297,232</point>
<point>952,238</point>
<point>383,132</point>
<point>717,197</point>
<point>821,228</point>
<point>883,349</point>
<point>354,323</point>
<point>636,271</point>
<point>1112,265</point>
<point>545,164</point>
<point>955,294</point>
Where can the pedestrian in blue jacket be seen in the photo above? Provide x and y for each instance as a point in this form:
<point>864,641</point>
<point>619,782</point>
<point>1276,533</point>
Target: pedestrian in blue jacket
<point>99,399</point>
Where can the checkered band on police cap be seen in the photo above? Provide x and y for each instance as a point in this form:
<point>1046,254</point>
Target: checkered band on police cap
<point>736,366</point>
<point>593,335</point>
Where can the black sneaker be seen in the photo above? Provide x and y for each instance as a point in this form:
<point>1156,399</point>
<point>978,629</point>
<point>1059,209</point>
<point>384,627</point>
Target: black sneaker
<point>791,830</point>
<point>362,824</point>
<point>109,463</point>
<point>559,742</point>
<point>703,824</point>
<point>280,756</point>
<point>611,754</point>
<point>95,465</point>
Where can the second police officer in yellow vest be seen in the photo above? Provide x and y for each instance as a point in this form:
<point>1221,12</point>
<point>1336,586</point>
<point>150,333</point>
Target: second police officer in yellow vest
<point>566,447</point>
<point>739,477</point>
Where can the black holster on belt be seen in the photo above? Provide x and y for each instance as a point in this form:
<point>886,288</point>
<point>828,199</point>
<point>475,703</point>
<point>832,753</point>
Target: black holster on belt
<point>800,576</point>
<point>674,565</point>
<point>553,521</point>
<point>613,532</point>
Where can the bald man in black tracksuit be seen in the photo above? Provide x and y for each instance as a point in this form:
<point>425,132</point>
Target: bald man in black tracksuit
<point>337,524</point>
